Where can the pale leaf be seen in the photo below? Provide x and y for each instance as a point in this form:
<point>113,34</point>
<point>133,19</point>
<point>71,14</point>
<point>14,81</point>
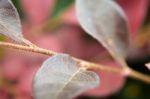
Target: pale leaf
<point>106,22</point>
<point>60,77</point>
<point>148,66</point>
<point>10,24</point>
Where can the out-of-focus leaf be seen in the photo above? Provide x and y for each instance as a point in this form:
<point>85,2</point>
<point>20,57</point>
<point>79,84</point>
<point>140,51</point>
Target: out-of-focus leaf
<point>10,24</point>
<point>148,66</point>
<point>106,22</point>
<point>69,17</point>
<point>136,11</point>
<point>37,11</point>
<point>61,5</point>
<point>60,77</point>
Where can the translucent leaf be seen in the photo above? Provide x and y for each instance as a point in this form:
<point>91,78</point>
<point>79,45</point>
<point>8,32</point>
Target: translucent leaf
<point>60,77</point>
<point>10,25</point>
<point>106,22</point>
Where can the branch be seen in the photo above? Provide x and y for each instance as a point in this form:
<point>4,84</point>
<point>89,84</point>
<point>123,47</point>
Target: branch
<point>88,65</point>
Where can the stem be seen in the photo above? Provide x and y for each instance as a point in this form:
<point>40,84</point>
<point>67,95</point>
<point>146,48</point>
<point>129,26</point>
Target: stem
<point>88,65</point>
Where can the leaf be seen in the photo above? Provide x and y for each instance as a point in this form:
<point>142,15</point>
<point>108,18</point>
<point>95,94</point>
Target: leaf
<point>60,6</point>
<point>110,83</point>
<point>10,24</point>
<point>37,11</point>
<point>60,77</point>
<point>148,66</point>
<point>134,8</point>
<point>106,22</point>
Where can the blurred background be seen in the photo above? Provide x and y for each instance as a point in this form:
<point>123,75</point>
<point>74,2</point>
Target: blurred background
<point>52,24</point>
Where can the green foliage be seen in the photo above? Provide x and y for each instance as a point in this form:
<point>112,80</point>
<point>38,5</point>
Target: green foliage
<point>60,6</point>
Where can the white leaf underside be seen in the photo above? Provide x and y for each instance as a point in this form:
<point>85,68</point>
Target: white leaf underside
<point>106,22</point>
<point>60,77</point>
<point>10,24</point>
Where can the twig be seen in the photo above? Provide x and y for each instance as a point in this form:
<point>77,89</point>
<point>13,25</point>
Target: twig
<point>88,65</point>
